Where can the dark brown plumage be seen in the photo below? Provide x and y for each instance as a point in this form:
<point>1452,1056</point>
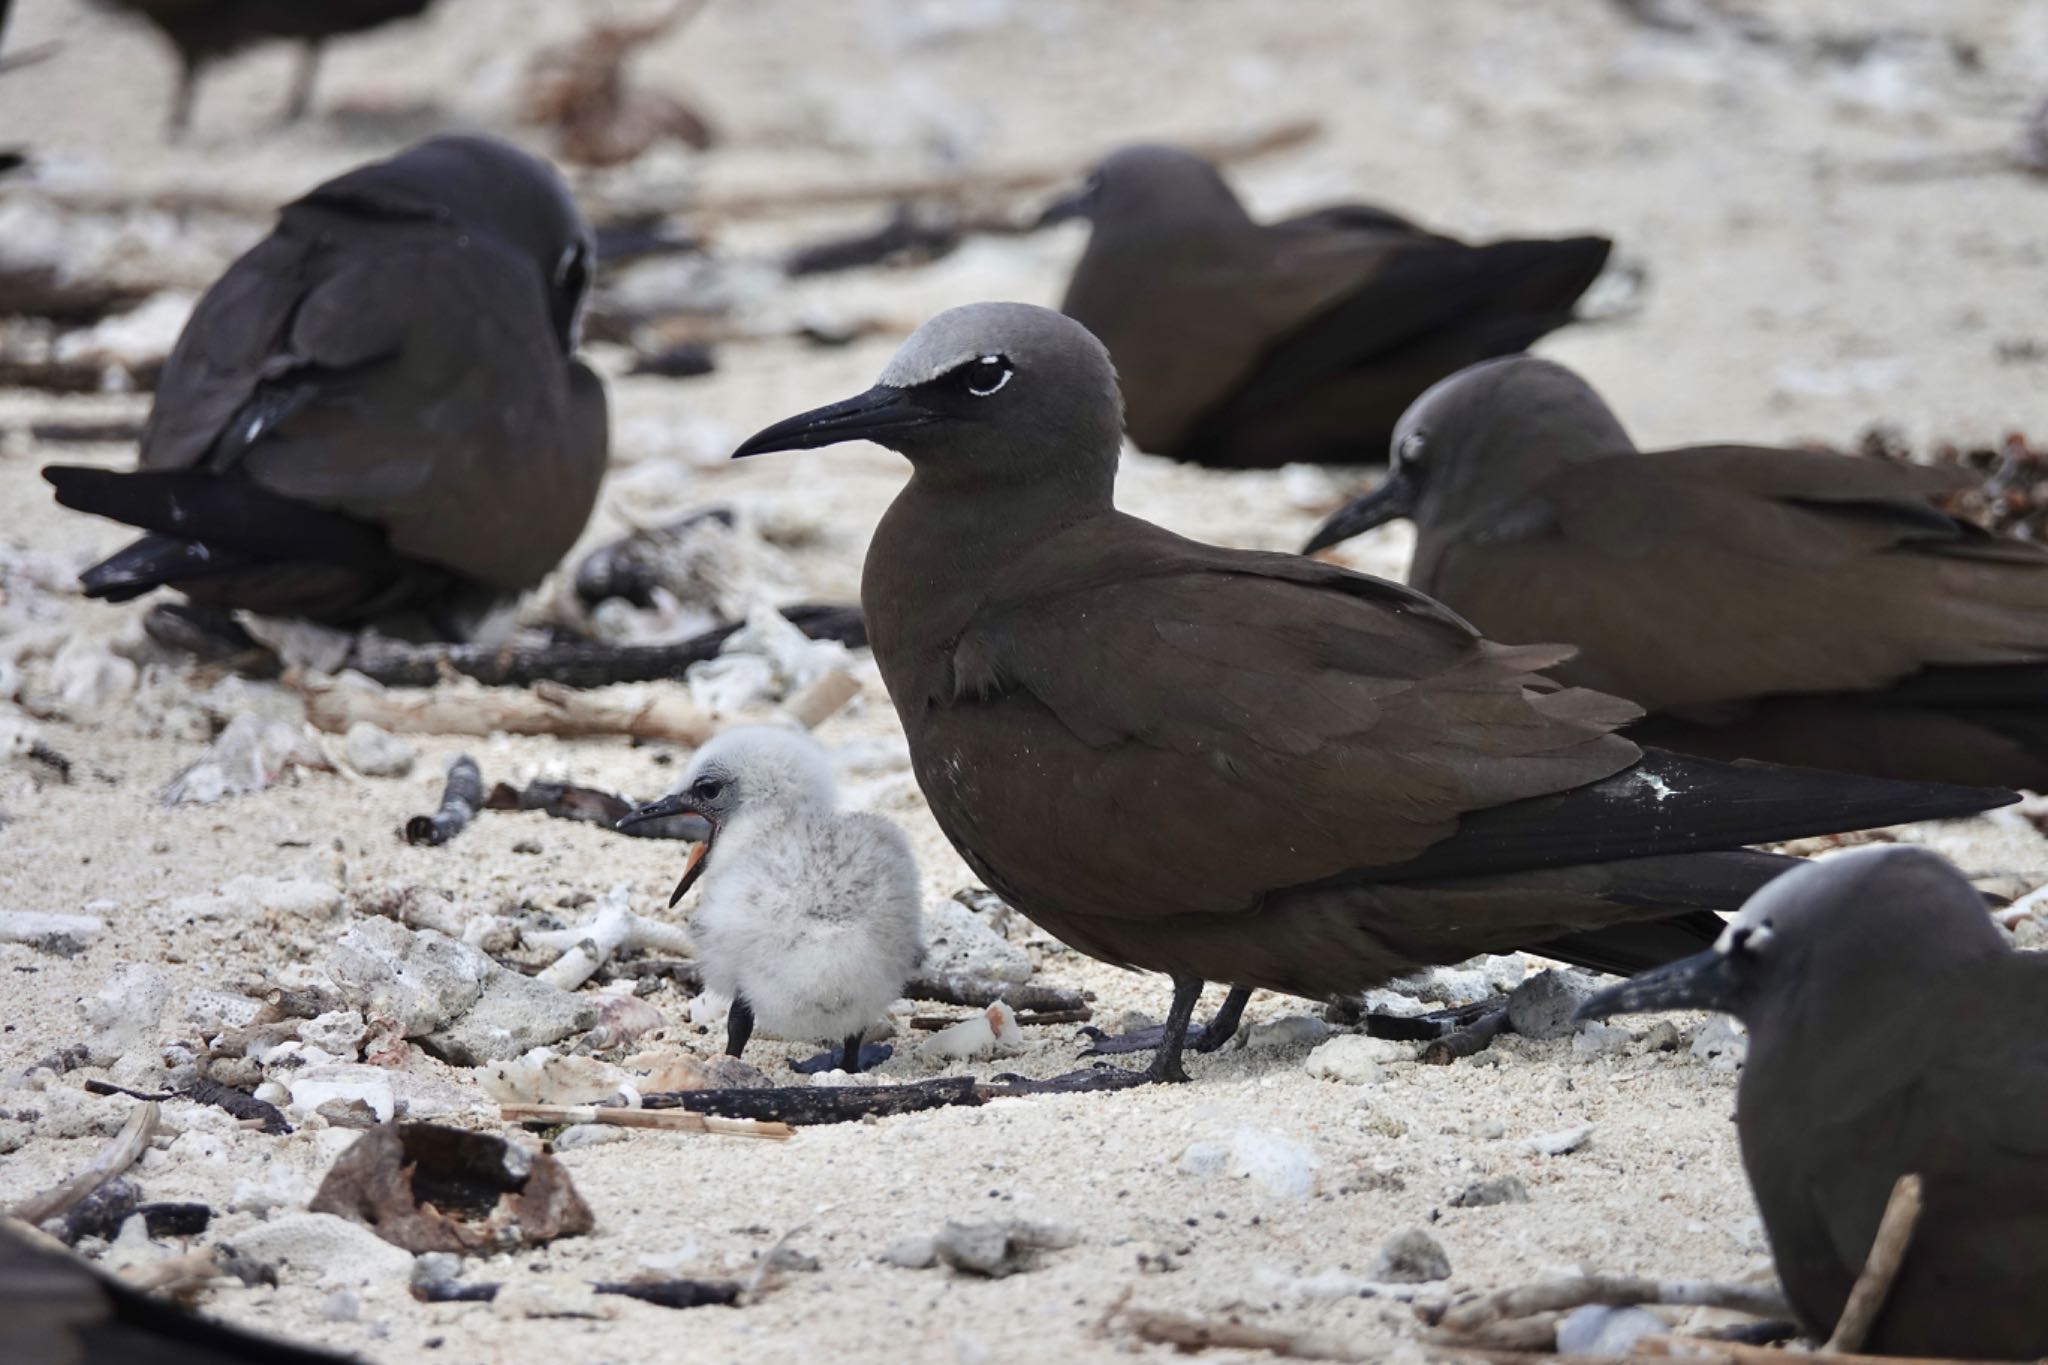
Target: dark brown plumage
<point>375,416</point>
<point>205,30</point>
<point>1892,1030</point>
<point>1255,345</point>
<point>1786,605</point>
<point>57,1310</point>
<point>1255,768</point>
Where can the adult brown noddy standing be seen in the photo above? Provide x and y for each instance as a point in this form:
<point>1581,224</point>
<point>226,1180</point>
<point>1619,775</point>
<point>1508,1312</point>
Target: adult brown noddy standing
<point>375,417</point>
<point>56,1309</point>
<point>204,31</point>
<point>1892,1030</point>
<point>1785,605</point>
<point>1256,768</point>
<point>1255,345</point>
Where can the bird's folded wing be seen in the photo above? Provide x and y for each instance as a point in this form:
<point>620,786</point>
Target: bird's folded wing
<point>1690,578</point>
<point>1413,288</point>
<point>1318,720</point>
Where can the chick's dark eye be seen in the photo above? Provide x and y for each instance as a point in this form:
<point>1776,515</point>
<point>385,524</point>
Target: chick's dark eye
<point>706,788</point>
<point>982,377</point>
<point>573,269</point>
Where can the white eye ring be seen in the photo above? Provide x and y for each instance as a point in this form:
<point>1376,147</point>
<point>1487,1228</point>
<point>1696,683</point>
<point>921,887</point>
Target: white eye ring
<point>1744,938</point>
<point>1004,371</point>
<point>1410,450</point>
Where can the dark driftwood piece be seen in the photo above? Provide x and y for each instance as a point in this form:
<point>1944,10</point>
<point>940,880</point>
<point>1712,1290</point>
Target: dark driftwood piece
<point>807,1106</point>
<point>460,801</point>
<point>1474,1037</point>
<point>240,1103</point>
<point>577,663</point>
<point>661,1293</point>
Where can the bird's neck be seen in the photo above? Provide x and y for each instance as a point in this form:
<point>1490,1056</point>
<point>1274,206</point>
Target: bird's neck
<point>938,548</point>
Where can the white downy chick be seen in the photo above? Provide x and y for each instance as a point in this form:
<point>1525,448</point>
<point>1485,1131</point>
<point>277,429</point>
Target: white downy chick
<point>808,917</point>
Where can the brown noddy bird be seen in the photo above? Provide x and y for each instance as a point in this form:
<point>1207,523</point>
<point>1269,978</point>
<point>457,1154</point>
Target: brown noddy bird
<point>56,1309</point>
<point>1893,1030</point>
<point>1247,344</point>
<point>376,416</point>
<point>205,30</point>
<point>1256,768</point>
<point>1792,606</point>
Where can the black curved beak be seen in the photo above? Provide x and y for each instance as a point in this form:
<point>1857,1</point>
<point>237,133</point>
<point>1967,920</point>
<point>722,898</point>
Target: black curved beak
<point>877,415</point>
<point>1394,498</point>
<point>1079,203</point>
<point>675,804</point>
<point>1704,981</point>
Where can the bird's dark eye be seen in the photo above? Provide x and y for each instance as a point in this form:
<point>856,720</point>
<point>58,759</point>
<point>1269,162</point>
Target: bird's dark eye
<point>1410,451</point>
<point>707,788</point>
<point>982,376</point>
<point>572,271</point>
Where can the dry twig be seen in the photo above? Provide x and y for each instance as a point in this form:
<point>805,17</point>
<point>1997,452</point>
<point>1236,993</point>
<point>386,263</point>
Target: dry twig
<point>1880,1268</point>
<point>668,1120</point>
<point>1189,1335</point>
<point>116,1157</point>
<point>547,709</point>
<point>1615,1291</point>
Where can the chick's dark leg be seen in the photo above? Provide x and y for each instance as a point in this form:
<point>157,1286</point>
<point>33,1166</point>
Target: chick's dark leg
<point>849,1054</point>
<point>739,1026</point>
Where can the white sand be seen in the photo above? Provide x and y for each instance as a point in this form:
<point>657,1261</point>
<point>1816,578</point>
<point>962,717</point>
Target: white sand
<point>1794,292</point>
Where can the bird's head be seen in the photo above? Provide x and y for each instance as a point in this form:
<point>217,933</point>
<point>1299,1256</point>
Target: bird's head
<point>1476,441</point>
<point>751,770</point>
<point>988,395</point>
<point>1868,922</point>
<point>488,187</point>
<point>1150,187</point>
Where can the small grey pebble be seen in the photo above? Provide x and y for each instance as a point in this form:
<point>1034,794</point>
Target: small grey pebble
<point>1412,1257</point>
<point>527,846</point>
<point>1543,1005</point>
<point>912,1253</point>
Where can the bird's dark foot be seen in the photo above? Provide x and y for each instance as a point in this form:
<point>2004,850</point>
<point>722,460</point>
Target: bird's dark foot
<point>1423,1028</point>
<point>1102,1044</point>
<point>872,1055</point>
<point>211,636</point>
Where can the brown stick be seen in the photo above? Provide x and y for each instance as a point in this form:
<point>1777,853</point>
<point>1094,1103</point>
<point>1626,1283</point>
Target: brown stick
<point>1698,1352</point>
<point>669,1120</point>
<point>1880,1268</point>
<point>1474,1037</point>
<point>1188,1335</point>
<point>176,1277</point>
<point>547,709</point>
<point>979,993</point>
<point>1616,1291</point>
<point>114,1158</point>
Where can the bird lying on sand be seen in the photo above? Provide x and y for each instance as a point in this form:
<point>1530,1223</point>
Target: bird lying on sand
<point>375,417</point>
<point>1892,1031</point>
<point>205,30</point>
<point>1786,605</point>
<point>810,917</point>
<point>55,1309</point>
<point>1256,768</point>
<point>1255,345</point>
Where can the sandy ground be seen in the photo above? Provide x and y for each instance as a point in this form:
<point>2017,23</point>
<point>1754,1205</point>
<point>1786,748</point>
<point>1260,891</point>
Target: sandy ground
<point>1809,272</point>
